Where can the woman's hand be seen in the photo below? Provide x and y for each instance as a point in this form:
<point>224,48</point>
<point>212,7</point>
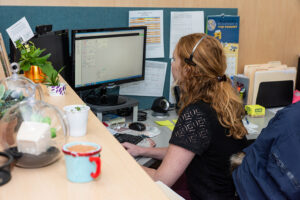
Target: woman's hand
<point>132,149</point>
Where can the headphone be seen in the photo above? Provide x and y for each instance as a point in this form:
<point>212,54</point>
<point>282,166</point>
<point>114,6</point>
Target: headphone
<point>189,60</point>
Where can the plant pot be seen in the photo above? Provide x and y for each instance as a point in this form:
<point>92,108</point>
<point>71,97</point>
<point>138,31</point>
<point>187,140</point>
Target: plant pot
<point>58,90</point>
<point>35,74</point>
<point>77,116</point>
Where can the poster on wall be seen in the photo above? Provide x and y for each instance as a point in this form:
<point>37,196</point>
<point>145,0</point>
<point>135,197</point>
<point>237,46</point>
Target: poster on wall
<point>153,85</point>
<point>153,19</point>
<point>226,29</point>
<point>184,23</point>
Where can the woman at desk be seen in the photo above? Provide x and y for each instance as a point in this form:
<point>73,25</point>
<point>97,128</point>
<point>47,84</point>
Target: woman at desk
<point>209,128</point>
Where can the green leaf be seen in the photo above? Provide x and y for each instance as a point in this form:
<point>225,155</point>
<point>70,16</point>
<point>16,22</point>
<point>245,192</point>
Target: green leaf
<point>77,108</point>
<point>37,53</point>
<point>31,43</point>
<point>61,69</point>
<point>26,66</point>
<point>21,63</point>
<point>23,51</point>
<point>7,93</point>
<point>53,132</point>
<point>46,120</point>
<point>47,69</point>
<point>2,90</point>
<point>44,58</point>
<point>52,79</point>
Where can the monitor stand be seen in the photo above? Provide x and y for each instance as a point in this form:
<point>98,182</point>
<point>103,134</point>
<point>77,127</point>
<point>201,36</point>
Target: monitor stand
<point>111,100</point>
<point>100,98</point>
<point>100,102</point>
<point>129,102</point>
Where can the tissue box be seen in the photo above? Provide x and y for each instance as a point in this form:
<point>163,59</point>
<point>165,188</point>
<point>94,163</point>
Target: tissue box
<point>33,137</point>
<point>255,110</point>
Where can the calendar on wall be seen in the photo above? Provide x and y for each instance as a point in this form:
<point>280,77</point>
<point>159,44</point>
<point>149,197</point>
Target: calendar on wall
<point>226,29</point>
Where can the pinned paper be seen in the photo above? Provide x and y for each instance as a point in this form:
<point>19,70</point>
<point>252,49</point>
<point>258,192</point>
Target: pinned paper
<point>20,31</point>
<point>184,23</point>
<point>153,85</point>
<point>153,19</point>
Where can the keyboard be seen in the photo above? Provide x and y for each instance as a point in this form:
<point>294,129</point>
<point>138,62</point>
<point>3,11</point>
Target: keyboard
<point>133,139</point>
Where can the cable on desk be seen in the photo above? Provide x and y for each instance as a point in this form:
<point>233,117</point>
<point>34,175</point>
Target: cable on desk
<point>124,112</point>
<point>142,116</point>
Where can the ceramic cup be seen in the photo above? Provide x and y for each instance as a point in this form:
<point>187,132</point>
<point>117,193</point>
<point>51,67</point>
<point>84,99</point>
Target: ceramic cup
<point>77,116</point>
<point>83,161</point>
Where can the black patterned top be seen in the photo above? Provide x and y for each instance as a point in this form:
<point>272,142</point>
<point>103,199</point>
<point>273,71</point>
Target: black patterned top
<point>198,130</point>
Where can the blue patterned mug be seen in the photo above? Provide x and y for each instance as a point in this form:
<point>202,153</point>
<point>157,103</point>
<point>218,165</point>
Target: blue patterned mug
<point>83,161</point>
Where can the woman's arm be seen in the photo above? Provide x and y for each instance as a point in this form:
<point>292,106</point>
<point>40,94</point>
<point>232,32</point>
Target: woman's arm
<point>134,150</point>
<point>173,165</point>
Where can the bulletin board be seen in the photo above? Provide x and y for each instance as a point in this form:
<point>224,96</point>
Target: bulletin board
<point>96,17</point>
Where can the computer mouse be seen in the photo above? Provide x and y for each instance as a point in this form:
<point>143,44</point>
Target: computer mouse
<point>137,126</point>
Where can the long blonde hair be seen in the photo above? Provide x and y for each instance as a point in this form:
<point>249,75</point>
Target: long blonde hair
<point>201,82</point>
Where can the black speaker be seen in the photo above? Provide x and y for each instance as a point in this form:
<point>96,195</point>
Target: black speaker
<point>160,105</point>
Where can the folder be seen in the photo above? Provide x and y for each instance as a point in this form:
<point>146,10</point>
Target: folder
<point>250,70</point>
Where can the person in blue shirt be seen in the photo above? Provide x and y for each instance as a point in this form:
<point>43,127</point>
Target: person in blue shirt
<point>271,166</point>
<point>209,128</point>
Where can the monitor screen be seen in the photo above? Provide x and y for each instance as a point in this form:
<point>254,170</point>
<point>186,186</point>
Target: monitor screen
<point>108,56</point>
<point>56,43</point>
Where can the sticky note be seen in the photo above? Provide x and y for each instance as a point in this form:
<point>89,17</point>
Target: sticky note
<point>174,120</point>
<point>164,123</point>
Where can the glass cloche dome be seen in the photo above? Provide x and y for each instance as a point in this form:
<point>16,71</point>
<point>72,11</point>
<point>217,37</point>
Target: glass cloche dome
<point>33,132</point>
<point>17,88</point>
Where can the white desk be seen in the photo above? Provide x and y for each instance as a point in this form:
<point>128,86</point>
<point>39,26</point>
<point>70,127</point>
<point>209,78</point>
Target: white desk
<point>261,122</point>
<point>162,140</point>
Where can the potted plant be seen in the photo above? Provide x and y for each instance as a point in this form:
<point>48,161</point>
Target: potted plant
<point>77,116</point>
<point>35,66</point>
<point>55,87</point>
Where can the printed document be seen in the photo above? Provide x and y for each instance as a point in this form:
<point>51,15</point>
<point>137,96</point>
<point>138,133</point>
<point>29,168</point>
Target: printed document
<point>184,23</point>
<point>171,93</point>
<point>153,19</point>
<point>153,85</point>
<point>20,31</point>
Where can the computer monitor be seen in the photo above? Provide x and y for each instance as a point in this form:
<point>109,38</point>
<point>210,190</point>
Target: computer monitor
<point>56,43</point>
<point>101,57</point>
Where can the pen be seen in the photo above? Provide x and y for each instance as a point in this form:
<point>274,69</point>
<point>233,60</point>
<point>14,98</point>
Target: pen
<point>246,120</point>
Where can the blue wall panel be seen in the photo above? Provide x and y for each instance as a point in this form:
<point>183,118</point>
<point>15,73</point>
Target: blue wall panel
<point>94,17</point>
